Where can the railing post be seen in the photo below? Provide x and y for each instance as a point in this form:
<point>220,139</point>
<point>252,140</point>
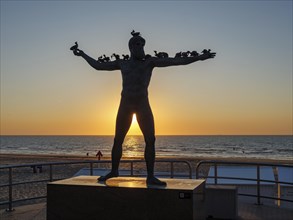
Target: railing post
<point>197,171</point>
<point>258,184</point>
<point>131,168</point>
<point>278,188</point>
<point>190,170</point>
<point>10,209</point>
<point>91,169</point>
<point>51,173</point>
<point>216,174</point>
<point>172,169</point>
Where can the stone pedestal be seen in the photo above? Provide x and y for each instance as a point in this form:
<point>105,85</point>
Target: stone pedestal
<point>222,202</point>
<point>126,198</point>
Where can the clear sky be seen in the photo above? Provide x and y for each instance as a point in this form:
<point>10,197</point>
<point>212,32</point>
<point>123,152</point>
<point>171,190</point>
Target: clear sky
<point>246,89</point>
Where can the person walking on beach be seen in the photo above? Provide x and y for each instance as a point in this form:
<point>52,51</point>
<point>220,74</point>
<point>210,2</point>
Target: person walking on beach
<point>136,75</point>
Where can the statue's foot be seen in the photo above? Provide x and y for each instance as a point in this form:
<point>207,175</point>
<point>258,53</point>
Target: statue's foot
<point>155,181</point>
<point>108,176</point>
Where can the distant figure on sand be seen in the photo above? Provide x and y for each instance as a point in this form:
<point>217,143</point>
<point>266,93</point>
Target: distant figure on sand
<point>99,155</point>
<point>136,76</point>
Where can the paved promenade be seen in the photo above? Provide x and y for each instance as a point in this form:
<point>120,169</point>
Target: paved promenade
<point>245,212</point>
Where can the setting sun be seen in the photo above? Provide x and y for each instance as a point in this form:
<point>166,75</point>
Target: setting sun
<point>134,129</point>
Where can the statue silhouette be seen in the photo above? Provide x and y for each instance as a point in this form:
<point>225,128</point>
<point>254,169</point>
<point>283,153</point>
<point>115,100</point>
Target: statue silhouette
<point>136,75</point>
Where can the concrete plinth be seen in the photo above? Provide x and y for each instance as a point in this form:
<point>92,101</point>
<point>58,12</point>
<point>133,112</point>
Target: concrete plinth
<point>126,198</point>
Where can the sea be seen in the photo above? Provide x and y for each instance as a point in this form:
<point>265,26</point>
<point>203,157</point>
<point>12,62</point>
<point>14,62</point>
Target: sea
<point>264,147</point>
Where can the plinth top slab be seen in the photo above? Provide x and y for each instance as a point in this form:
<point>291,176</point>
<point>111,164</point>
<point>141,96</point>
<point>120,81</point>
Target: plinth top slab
<point>139,182</point>
<point>131,182</point>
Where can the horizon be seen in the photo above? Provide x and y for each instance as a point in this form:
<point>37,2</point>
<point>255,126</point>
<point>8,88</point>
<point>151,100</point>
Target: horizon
<point>245,90</point>
<point>131,135</point>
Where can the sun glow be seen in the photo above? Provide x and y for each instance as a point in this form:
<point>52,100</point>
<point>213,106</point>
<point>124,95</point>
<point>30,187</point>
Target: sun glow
<point>134,129</point>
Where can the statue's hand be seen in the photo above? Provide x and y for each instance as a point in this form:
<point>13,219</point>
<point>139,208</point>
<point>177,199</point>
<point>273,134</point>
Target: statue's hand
<point>78,52</point>
<point>207,55</point>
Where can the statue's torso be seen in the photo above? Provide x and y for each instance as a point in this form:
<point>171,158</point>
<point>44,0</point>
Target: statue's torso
<point>136,76</point>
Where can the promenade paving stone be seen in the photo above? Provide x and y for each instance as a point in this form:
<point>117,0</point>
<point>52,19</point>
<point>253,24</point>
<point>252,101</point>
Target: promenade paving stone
<point>246,211</point>
<point>26,212</point>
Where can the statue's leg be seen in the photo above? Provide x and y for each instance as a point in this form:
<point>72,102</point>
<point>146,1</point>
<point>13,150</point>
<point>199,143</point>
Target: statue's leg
<point>123,122</point>
<point>146,123</point>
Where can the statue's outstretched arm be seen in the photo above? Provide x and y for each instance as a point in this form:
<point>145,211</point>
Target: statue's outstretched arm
<point>164,62</point>
<point>111,65</point>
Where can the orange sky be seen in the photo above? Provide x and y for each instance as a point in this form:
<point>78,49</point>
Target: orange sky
<point>245,90</point>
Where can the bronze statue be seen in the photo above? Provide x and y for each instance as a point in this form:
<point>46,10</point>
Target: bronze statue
<point>136,75</point>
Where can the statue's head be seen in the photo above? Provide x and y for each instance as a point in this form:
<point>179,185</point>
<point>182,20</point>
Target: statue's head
<point>136,47</point>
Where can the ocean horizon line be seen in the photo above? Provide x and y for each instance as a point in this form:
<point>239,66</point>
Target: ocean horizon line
<point>112,135</point>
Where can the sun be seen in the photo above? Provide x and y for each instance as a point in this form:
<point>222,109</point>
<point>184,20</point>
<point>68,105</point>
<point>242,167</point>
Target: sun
<point>134,128</point>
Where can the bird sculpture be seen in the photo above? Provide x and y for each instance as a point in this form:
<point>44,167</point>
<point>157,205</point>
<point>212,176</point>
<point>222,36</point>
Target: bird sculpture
<point>178,54</point>
<point>147,56</point>
<point>206,51</point>
<point>100,59</point>
<point>125,57</point>
<point>134,34</point>
<point>185,54</point>
<point>106,59</point>
<point>117,57</point>
<point>194,53</point>
<point>161,54</point>
<point>74,47</point>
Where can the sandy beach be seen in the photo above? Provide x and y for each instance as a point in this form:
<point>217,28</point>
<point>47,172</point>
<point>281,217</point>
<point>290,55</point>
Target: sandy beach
<point>66,171</point>
<point>9,159</point>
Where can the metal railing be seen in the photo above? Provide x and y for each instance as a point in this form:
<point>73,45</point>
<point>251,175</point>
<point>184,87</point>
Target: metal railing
<point>91,163</point>
<point>258,180</point>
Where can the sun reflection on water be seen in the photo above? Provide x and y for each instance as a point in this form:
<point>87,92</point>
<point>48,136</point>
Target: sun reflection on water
<point>133,146</point>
